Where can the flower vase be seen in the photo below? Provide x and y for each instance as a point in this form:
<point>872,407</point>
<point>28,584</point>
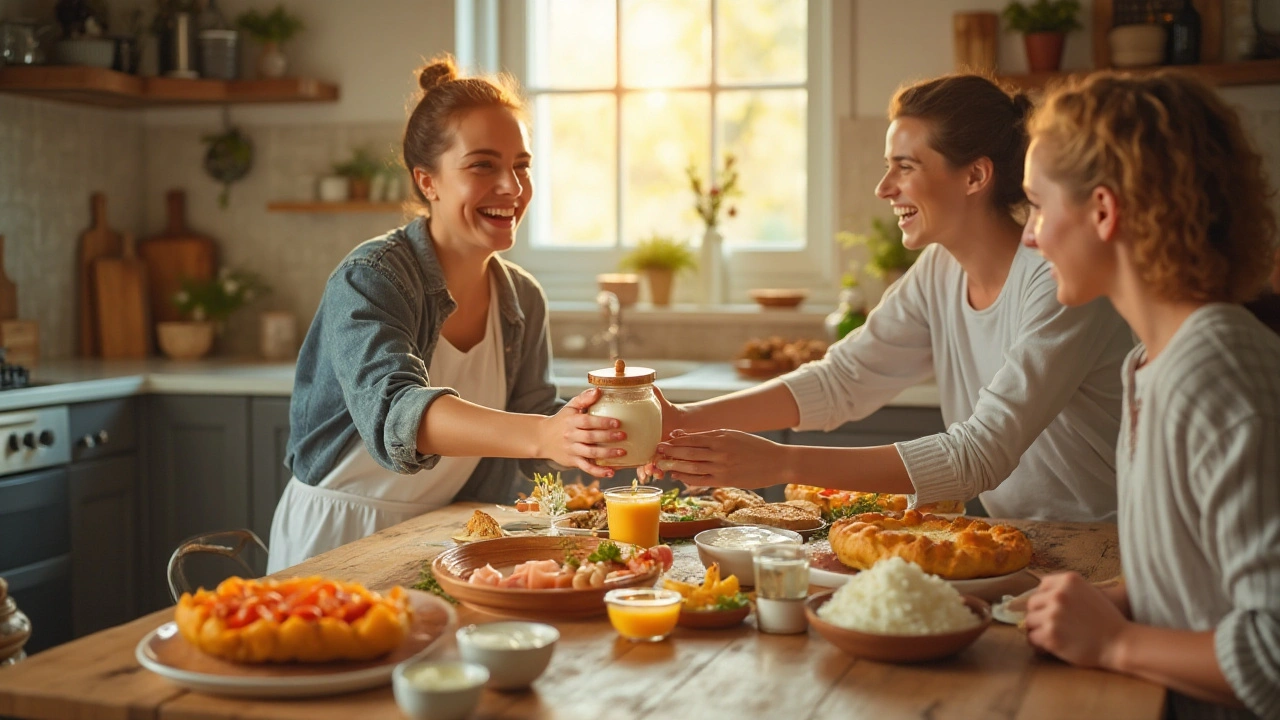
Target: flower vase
<point>272,63</point>
<point>712,269</point>
<point>848,316</point>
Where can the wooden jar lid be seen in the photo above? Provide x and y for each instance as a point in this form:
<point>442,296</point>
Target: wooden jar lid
<point>621,376</point>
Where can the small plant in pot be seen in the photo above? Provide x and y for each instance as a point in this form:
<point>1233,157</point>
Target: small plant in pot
<point>359,171</point>
<point>888,257</point>
<point>659,258</point>
<point>272,29</point>
<point>1044,25</point>
<point>207,304</point>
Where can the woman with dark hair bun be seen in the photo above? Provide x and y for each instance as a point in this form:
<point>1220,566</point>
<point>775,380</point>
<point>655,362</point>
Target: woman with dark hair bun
<point>1029,389</point>
<point>429,351</point>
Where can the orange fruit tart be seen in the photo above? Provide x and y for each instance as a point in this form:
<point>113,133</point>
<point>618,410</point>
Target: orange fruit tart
<point>308,620</point>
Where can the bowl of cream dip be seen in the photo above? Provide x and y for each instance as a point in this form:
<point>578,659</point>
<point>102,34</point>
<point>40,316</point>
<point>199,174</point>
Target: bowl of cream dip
<point>731,547</point>
<point>438,690</point>
<point>514,652</point>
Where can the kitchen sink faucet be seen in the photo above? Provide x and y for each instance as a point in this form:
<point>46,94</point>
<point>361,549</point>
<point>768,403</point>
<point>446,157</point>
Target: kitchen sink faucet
<point>611,336</point>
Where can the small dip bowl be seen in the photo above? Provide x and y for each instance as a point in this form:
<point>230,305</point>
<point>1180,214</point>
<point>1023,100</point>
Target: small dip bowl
<point>516,653</point>
<point>644,614</point>
<point>736,560</point>
<point>434,690</point>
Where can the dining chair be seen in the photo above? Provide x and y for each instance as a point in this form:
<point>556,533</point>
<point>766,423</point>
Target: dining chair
<point>208,559</point>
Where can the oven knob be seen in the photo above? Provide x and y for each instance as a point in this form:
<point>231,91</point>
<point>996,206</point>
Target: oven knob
<point>29,440</point>
<point>46,438</point>
<point>14,443</point>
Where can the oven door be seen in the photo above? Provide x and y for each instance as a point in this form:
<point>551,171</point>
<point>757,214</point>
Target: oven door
<point>34,552</point>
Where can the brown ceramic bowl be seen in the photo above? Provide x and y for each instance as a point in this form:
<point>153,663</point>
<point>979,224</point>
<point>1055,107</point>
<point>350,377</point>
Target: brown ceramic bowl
<point>680,529</point>
<point>898,648</point>
<point>712,619</point>
<point>453,568</point>
<point>778,297</point>
<point>759,369</point>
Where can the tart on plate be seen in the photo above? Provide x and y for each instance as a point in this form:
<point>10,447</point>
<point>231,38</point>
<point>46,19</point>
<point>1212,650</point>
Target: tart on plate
<point>952,548</point>
<point>310,620</point>
<point>831,500</point>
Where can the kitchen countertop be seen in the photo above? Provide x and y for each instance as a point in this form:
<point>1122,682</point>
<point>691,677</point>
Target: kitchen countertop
<point>73,381</point>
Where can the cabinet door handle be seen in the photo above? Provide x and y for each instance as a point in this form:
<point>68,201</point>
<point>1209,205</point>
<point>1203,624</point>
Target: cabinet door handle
<point>88,441</point>
<point>103,437</point>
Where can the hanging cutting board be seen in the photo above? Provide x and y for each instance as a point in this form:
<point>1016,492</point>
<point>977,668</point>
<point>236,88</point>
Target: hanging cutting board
<point>122,304</point>
<point>174,255</point>
<point>8,291</point>
<point>97,242</point>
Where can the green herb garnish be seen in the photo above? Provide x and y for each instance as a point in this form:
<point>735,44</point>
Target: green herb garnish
<point>731,602</point>
<point>864,504</point>
<point>427,582</point>
<point>606,551</point>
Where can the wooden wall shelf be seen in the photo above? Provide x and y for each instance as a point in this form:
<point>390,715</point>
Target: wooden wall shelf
<point>108,88</point>
<point>350,206</point>
<point>1248,72</point>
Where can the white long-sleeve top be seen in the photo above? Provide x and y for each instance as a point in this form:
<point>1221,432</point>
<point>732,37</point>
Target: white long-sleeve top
<point>1199,480</point>
<point>1030,389</point>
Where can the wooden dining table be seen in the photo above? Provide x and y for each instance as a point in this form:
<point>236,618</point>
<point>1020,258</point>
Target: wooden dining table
<point>700,674</point>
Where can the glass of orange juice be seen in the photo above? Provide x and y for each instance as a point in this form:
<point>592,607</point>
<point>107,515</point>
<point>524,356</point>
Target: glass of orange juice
<point>643,614</point>
<point>633,514</point>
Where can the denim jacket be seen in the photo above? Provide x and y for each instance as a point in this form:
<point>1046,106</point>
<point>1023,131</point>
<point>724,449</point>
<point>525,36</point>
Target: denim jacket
<point>362,369</point>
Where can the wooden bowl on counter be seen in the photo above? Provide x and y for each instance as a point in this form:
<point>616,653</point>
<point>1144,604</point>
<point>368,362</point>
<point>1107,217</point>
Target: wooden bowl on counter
<point>778,297</point>
<point>898,648</point>
<point>759,369</point>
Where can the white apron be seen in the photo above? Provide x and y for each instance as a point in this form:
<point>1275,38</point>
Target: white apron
<point>359,497</point>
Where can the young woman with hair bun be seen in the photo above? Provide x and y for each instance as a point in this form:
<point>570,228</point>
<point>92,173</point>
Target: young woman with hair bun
<point>426,371</point>
<point>1147,192</point>
<point>1029,389</point>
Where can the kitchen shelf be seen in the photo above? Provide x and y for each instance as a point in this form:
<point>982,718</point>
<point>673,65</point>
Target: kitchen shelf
<point>1247,72</point>
<point>350,206</point>
<point>108,88</point>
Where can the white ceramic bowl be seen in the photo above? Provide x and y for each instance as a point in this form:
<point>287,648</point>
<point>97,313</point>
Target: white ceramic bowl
<point>454,701</point>
<point>515,653</point>
<point>733,561</point>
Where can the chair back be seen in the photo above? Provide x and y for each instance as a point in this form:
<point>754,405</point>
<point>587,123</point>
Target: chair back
<point>205,560</point>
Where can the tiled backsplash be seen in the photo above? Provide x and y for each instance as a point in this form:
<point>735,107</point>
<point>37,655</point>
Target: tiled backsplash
<point>52,156</point>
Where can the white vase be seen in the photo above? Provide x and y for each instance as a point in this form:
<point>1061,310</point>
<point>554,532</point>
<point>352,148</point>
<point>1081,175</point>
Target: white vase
<point>272,62</point>
<point>713,272</point>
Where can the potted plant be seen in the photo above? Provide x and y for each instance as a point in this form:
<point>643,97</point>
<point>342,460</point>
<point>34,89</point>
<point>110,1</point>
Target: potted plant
<point>1044,25</point>
<point>272,30</point>
<point>359,171</point>
<point>207,304</point>
<point>888,257</point>
<point>659,258</point>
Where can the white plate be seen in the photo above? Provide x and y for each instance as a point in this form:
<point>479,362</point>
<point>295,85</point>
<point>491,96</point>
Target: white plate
<point>166,653</point>
<point>990,589</point>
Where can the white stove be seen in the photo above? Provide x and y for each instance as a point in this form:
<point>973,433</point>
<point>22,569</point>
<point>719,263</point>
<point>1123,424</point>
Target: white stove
<point>34,439</point>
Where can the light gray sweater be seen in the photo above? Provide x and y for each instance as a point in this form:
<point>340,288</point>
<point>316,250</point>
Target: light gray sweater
<point>1030,389</point>
<point>1199,479</point>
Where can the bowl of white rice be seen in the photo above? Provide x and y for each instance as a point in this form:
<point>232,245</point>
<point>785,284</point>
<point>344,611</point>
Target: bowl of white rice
<point>895,612</point>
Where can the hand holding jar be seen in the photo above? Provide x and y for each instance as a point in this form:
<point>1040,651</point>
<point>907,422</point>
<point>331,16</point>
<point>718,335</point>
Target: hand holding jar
<point>626,394</point>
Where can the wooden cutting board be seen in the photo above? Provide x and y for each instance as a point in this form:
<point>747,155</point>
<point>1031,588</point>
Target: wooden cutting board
<point>175,255</point>
<point>123,306</point>
<point>97,242</point>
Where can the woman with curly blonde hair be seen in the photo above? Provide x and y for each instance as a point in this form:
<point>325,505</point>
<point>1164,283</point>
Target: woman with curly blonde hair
<point>1146,191</point>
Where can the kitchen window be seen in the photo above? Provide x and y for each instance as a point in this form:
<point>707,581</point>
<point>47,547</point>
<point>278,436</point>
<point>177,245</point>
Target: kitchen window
<point>625,94</point>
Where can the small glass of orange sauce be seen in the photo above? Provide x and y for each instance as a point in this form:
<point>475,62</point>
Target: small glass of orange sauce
<point>643,614</point>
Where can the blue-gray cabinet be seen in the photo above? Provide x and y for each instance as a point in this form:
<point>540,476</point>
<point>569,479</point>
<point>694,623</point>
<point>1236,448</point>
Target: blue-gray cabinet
<point>104,508</point>
<point>269,420</point>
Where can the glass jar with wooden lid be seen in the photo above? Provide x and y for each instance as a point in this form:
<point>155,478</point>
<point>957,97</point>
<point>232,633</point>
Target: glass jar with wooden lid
<point>627,394</point>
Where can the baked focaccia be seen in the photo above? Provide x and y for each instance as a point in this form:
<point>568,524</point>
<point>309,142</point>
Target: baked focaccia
<point>830,500</point>
<point>954,549</point>
<point>307,620</point>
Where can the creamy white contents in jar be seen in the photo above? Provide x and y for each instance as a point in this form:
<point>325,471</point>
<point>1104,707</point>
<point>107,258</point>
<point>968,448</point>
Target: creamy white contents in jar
<point>745,538</point>
<point>505,639</point>
<point>641,418</point>
<point>448,676</point>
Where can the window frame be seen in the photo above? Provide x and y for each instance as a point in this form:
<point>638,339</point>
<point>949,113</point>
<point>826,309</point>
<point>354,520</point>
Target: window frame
<point>492,37</point>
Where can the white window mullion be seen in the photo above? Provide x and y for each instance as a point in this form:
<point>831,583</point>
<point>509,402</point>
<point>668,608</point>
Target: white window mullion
<point>618,128</point>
